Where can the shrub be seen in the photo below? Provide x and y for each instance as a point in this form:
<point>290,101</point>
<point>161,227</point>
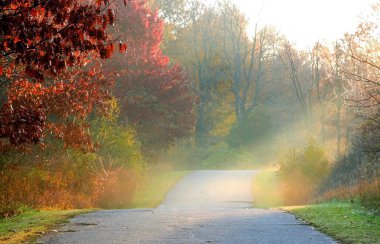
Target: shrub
<point>62,177</point>
<point>356,174</point>
<point>66,180</point>
<point>118,146</point>
<point>117,188</point>
<point>119,157</point>
<point>302,170</point>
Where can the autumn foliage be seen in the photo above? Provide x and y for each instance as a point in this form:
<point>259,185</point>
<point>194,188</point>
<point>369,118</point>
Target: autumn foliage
<point>154,95</point>
<point>50,85</point>
<point>25,114</point>
<point>57,101</point>
<point>73,183</point>
<point>47,36</point>
<point>43,46</point>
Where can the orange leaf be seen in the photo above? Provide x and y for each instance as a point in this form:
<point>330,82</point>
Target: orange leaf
<point>16,40</point>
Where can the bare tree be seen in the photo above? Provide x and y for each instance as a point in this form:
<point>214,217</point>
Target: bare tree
<point>244,58</point>
<point>297,67</point>
<point>197,47</point>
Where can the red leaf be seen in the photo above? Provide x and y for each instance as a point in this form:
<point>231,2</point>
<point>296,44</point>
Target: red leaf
<point>122,47</point>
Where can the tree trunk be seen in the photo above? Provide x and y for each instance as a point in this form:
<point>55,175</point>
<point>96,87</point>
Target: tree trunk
<point>201,127</point>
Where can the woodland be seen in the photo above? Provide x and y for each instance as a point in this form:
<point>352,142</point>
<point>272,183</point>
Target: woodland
<point>95,93</point>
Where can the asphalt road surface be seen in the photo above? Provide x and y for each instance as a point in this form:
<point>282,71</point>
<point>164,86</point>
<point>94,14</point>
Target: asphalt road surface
<point>204,207</point>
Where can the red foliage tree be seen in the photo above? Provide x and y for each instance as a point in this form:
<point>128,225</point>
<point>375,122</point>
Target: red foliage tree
<point>47,36</point>
<point>66,101</point>
<point>154,96</point>
<point>42,44</point>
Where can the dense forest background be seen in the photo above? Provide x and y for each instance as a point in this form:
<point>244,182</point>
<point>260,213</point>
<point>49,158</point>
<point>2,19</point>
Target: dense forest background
<point>93,93</point>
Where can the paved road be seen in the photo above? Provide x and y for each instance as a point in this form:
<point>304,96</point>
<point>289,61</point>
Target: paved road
<point>204,207</point>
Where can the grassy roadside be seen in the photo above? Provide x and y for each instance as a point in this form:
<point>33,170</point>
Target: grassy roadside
<point>346,222</point>
<point>155,187</point>
<point>32,223</point>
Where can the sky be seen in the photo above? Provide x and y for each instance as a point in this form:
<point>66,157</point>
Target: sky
<point>305,22</point>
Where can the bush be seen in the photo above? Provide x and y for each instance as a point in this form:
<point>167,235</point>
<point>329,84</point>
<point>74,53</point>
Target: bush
<point>120,158</point>
<point>64,178</point>
<point>356,174</point>
<point>301,171</point>
<point>361,162</point>
<point>117,188</point>
<point>118,146</point>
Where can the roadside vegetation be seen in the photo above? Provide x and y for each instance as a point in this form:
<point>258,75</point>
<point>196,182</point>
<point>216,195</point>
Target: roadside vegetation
<point>31,224</point>
<point>94,94</point>
<point>345,221</point>
<point>77,125</point>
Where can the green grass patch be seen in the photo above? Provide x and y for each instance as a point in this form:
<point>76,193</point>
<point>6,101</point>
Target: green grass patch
<point>266,189</point>
<point>31,224</point>
<point>155,187</point>
<point>346,222</point>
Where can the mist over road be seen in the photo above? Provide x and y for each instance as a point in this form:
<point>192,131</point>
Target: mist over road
<point>210,189</point>
<point>204,207</point>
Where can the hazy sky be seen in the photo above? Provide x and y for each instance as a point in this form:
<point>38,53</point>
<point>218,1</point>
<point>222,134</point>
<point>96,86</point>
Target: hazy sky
<point>306,21</point>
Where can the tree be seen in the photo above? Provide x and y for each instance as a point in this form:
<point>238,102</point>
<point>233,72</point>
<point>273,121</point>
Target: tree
<point>173,12</point>
<point>299,74</point>
<point>336,60</point>
<point>355,78</point>
<point>245,58</point>
<point>363,66</point>
<point>198,48</point>
<point>46,37</point>
<point>154,96</point>
<point>34,110</point>
<point>362,74</point>
<point>43,43</point>
<point>319,77</point>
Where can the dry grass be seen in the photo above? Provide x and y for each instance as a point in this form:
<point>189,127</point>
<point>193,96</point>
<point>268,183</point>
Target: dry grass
<point>297,190</point>
<point>66,186</point>
<point>367,192</point>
